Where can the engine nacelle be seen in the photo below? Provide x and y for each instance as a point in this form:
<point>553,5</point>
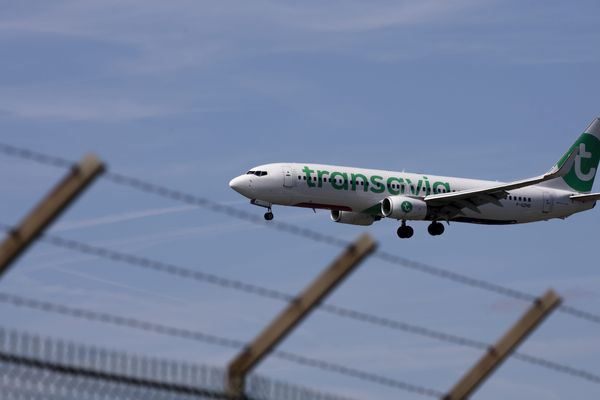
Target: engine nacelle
<point>353,218</point>
<point>402,207</point>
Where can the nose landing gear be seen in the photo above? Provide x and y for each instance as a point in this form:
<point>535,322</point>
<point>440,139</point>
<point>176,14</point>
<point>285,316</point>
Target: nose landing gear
<point>435,228</point>
<point>405,231</point>
<point>269,215</point>
<point>265,204</point>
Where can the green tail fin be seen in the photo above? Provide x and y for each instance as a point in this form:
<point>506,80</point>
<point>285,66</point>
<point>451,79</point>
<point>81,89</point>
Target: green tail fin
<point>581,176</point>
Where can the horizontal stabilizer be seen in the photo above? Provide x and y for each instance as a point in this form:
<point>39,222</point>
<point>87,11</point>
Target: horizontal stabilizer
<point>586,197</point>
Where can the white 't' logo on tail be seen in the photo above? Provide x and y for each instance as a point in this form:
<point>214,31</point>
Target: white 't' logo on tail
<point>583,154</point>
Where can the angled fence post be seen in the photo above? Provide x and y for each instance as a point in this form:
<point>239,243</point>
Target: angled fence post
<point>295,312</point>
<point>20,238</point>
<point>496,354</point>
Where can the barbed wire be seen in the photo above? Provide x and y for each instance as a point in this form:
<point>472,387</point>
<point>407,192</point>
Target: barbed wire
<point>211,205</point>
<point>60,368</point>
<point>339,311</point>
<point>47,367</point>
<point>250,288</point>
<point>313,235</point>
<point>575,312</point>
<point>191,199</point>
<point>558,367</point>
<point>274,294</point>
<point>35,156</point>
<point>366,376</point>
<point>134,323</point>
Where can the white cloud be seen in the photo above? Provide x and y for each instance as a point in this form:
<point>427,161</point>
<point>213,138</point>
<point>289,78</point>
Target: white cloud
<point>170,36</point>
<point>29,104</point>
<point>362,16</point>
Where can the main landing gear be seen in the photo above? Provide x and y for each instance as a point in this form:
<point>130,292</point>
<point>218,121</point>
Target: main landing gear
<point>405,231</point>
<point>435,228</point>
<point>269,215</point>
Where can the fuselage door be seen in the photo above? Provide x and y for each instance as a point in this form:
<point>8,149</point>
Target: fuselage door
<point>288,176</point>
<point>547,203</point>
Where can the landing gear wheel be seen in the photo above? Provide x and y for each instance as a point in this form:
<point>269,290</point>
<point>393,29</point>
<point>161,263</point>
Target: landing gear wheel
<point>268,215</point>
<point>435,229</point>
<point>405,232</point>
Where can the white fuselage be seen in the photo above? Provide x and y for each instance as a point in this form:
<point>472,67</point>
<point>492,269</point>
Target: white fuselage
<point>362,191</point>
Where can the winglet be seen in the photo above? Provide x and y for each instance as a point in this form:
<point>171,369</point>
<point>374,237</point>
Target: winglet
<point>560,170</point>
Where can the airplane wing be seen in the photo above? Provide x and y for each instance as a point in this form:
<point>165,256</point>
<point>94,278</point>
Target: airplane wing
<point>452,203</point>
<point>586,197</point>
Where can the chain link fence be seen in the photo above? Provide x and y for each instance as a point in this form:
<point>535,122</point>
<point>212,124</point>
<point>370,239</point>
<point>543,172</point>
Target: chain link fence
<point>34,367</point>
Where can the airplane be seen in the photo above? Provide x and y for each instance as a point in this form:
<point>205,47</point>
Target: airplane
<point>362,196</point>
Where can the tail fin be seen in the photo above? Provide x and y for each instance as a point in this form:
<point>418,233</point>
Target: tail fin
<point>580,177</point>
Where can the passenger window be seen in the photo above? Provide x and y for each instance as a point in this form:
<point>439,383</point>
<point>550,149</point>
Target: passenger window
<point>305,178</point>
<point>530,199</point>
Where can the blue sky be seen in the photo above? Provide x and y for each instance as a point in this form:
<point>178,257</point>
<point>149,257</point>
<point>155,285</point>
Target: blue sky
<point>191,93</point>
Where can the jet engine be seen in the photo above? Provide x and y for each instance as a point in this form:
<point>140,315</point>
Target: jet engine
<point>403,207</point>
<point>353,218</point>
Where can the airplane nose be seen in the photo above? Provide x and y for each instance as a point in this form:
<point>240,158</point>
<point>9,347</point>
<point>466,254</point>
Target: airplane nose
<point>240,184</point>
<point>235,183</point>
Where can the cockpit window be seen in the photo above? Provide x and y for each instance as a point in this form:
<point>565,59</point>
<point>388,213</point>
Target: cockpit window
<point>257,173</point>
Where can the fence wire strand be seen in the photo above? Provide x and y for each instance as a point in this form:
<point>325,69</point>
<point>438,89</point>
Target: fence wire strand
<point>339,311</point>
<point>20,301</point>
<point>42,367</point>
<point>177,195</point>
<point>134,323</point>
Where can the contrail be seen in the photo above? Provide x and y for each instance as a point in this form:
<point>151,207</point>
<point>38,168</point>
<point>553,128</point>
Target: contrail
<point>114,218</point>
